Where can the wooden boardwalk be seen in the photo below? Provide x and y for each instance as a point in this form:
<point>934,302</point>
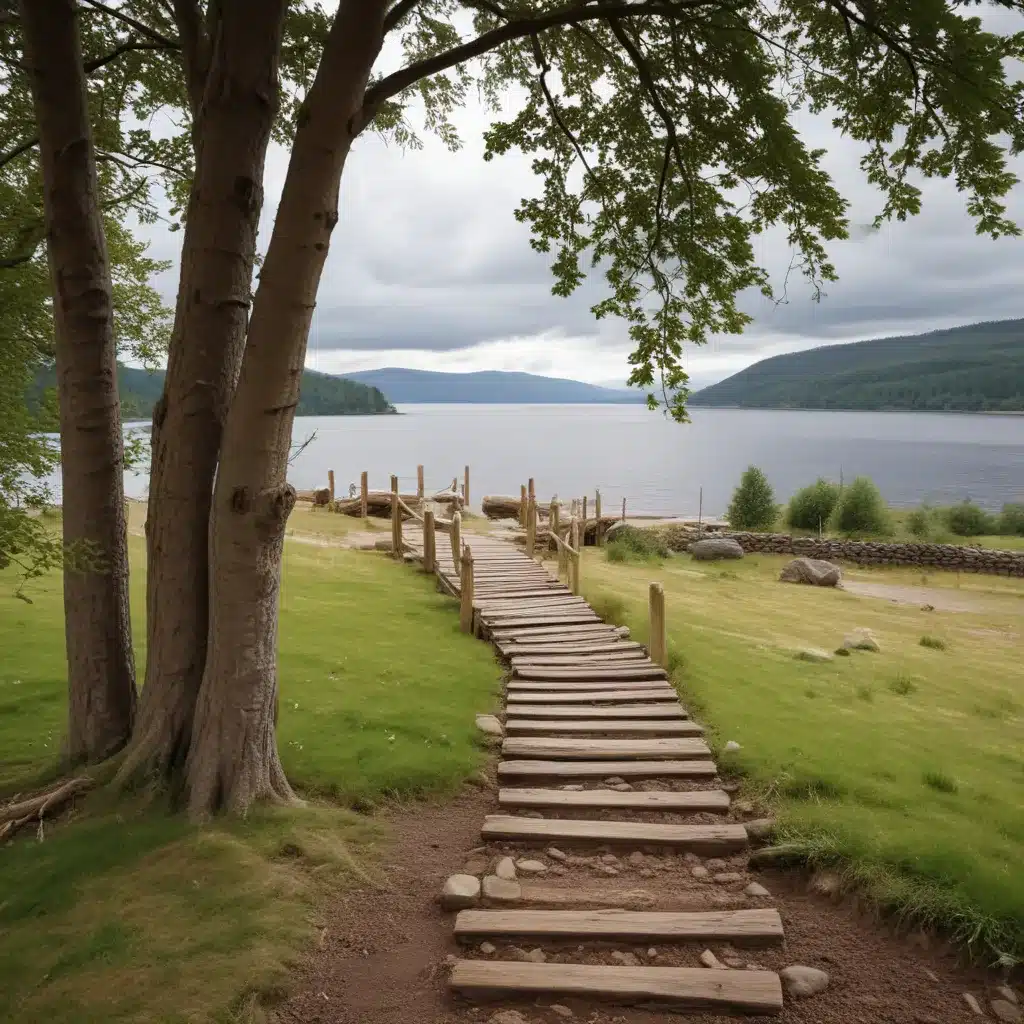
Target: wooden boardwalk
<point>586,710</point>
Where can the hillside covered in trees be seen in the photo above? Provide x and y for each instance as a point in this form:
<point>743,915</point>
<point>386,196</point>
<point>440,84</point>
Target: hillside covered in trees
<point>977,368</point>
<point>321,394</point>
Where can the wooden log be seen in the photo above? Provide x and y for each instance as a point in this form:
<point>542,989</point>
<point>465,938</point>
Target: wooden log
<point>597,519</point>
<point>466,606</point>
<point>456,537</point>
<point>574,560</point>
<point>583,531</point>
<point>465,487</point>
<point>623,509</point>
<point>419,484</point>
<point>531,525</point>
<point>429,541</point>
<point>502,507</point>
<point>658,646</point>
<point>364,494</point>
<point>522,505</point>
<point>396,520</point>
<point>330,483</point>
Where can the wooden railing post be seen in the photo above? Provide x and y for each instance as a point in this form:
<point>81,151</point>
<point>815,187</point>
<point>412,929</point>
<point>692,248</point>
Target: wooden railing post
<point>429,541</point>
<point>583,528</point>
<point>522,505</point>
<point>574,558</point>
<point>419,484</point>
<point>330,483</point>
<point>396,520</point>
<point>658,646</point>
<point>531,525</point>
<point>465,487</point>
<point>597,524</point>
<point>623,509</point>
<point>364,494</point>
<point>553,520</point>
<point>466,586</point>
<point>456,536</point>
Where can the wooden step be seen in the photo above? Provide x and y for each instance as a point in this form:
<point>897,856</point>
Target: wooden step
<point>642,711</point>
<point>660,727</point>
<point>571,748</point>
<point>710,840</point>
<point>625,657</point>
<point>530,634</point>
<point>516,685</point>
<point>671,988</point>
<point>567,618</point>
<point>595,674</point>
<point>748,928</point>
<point>574,649</point>
<point>642,694</point>
<point>606,769</point>
<point>552,895</point>
<point>711,801</point>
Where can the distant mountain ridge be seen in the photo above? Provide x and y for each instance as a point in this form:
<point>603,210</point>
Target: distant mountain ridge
<point>487,387</point>
<point>976,368</point>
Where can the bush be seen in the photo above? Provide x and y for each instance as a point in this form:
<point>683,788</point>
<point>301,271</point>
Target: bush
<point>753,502</point>
<point>968,520</point>
<point>632,545</point>
<point>1011,522</point>
<point>921,522</point>
<point>813,506</point>
<point>862,510</point>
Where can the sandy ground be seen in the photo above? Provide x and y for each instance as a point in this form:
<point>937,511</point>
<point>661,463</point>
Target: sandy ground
<point>940,598</point>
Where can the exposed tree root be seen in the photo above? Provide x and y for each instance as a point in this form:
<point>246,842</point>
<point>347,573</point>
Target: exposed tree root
<point>16,815</point>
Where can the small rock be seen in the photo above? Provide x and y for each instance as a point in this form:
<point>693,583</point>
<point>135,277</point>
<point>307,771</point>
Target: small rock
<point>861,640</point>
<point>733,961</point>
<point>1005,1011</point>
<point>490,725</point>
<point>451,959</point>
<point>555,854</point>
<point>460,891</point>
<point>577,862</point>
<point>815,655</point>
<point>622,787</point>
<point>652,953</point>
<point>743,807</point>
<point>536,956</point>
<point>607,869</point>
<point>931,975</point>
<point>973,1004</point>
<point>715,864</point>
<point>760,829</point>
<point>614,781</point>
<point>646,873</point>
<point>708,959</point>
<point>637,859</point>
<point>530,814</point>
<point>757,889</point>
<point>610,858</point>
<point>557,869</point>
<point>731,787</point>
<point>508,1017</point>
<point>754,967</point>
<point>802,982</point>
<point>826,883</point>
<point>531,867</point>
<point>1007,993</point>
<point>571,788</point>
<point>561,1011</point>
<point>488,948</point>
<point>814,571</point>
<point>925,1018</point>
<point>699,871</point>
<point>728,877</point>
<point>713,550</point>
<point>731,746</point>
<point>691,858</point>
<point>626,959</point>
<point>476,866</point>
<point>501,890</point>
<point>506,869</point>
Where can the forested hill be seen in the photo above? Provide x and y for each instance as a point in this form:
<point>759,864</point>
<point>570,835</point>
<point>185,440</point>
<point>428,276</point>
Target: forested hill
<point>321,394</point>
<point>978,368</point>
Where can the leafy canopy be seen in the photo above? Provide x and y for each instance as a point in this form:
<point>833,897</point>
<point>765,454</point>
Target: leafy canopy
<point>753,502</point>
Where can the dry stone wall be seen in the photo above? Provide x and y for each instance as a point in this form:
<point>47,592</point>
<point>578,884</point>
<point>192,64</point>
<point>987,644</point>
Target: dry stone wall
<point>955,557</point>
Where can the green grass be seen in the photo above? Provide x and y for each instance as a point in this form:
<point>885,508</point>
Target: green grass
<point>904,766</point>
<point>131,914</point>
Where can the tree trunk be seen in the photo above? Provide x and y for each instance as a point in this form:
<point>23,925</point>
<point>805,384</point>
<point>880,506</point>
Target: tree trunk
<point>101,668</point>
<point>233,759</point>
<point>233,79</point>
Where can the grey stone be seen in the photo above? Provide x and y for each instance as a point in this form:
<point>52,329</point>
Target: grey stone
<point>614,781</point>
<point>728,877</point>
<point>572,788</point>
<point>744,807</point>
<point>1005,1011</point>
<point>555,854</point>
<point>501,890</point>
<point>714,864</point>
<point>460,891</point>
<point>699,871</point>
<point>610,858</point>
<point>506,869</point>
<point>490,725</point>
<point>622,787</point>
<point>708,959</point>
<point>802,982</point>
<point>757,889</point>
<point>561,1011</point>
<point>691,858</point>
<point>760,829</point>
<point>652,953</point>
<point>731,746</point>
<point>1007,993</point>
<point>637,859</point>
<point>531,867</point>
<point>814,571</point>
<point>973,1004</point>
<point>815,655</point>
<point>646,873</point>
<point>557,869</point>
<point>714,549</point>
<point>626,959</point>
<point>861,640</point>
<point>488,948</point>
<point>826,883</point>
<point>535,956</point>
<point>607,869</point>
<point>508,1017</point>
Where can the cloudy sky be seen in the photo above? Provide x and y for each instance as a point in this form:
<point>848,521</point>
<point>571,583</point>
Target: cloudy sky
<point>428,268</point>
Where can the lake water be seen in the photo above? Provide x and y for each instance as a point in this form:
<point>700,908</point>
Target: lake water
<point>660,466</point>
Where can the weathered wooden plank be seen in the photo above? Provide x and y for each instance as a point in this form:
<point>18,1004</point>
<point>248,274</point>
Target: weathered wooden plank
<point>606,769</point>
<point>673,988</point>
<point>519,634</point>
<point>710,801</point>
<point>603,726</point>
<point>625,657</point>
<point>519,686</point>
<point>574,648</point>
<point>641,711</point>
<point>614,673</point>
<point>598,749</point>
<point>738,927</point>
<point>702,839</point>
<point>641,694</point>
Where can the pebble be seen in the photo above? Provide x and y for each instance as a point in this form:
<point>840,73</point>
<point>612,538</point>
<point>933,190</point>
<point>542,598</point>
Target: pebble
<point>488,948</point>
<point>614,781</point>
<point>652,953</point>
<point>460,891</point>
<point>744,807</point>
<point>1005,1011</point>
<point>531,867</point>
<point>699,871</point>
<point>728,877</point>
<point>533,956</point>
<point>506,869</point>
<point>500,890</point>
<point>490,725</point>
<point>626,959</point>
<point>974,1005</point>
<point>637,859</point>
<point>708,959</point>
<point>714,864</point>
<point>557,869</point>
<point>760,828</point>
<point>757,889</point>
<point>508,1017</point>
<point>610,858</point>
<point>732,745</point>
<point>577,862</point>
<point>826,883</point>
<point>555,854</point>
<point>730,787</point>
<point>607,869</point>
<point>572,788</point>
<point>1007,993</point>
<point>801,981</point>
<point>691,858</point>
<point>561,1011</point>
<point>622,787</point>
<point>646,873</point>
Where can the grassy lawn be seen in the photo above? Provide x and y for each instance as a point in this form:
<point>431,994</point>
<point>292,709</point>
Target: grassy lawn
<point>906,766</point>
<point>129,914</point>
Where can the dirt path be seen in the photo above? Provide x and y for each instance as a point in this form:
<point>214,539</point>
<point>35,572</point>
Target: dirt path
<point>940,598</point>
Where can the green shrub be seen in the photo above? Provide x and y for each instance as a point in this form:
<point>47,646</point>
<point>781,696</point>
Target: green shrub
<point>812,507</point>
<point>935,643</point>
<point>921,522</point>
<point>753,502</point>
<point>862,510</point>
<point>940,781</point>
<point>632,545</point>
<point>1011,521</point>
<point>969,520</point>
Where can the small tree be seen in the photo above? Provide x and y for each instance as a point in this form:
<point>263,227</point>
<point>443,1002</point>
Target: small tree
<point>969,520</point>
<point>753,502</point>
<point>1011,522</point>
<point>811,508</point>
<point>862,509</point>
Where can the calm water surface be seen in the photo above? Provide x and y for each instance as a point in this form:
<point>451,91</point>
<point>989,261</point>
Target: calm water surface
<point>658,465</point>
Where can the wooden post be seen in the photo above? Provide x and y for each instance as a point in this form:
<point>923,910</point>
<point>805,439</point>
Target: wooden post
<point>574,559</point>
<point>330,483</point>
<point>623,509</point>
<point>396,520</point>
<point>364,494</point>
<point>522,505</point>
<point>553,520</point>
<point>531,525</point>
<point>419,484</point>
<point>456,536</point>
<point>429,541</point>
<point>597,513</point>
<point>465,487</point>
<point>583,529</point>
<point>658,645</point>
<point>530,492</point>
<point>466,582</point>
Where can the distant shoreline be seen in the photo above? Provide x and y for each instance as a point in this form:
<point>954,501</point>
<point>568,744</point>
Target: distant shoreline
<point>889,409</point>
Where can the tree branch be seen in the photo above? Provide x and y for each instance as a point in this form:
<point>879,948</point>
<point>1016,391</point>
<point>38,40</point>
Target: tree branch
<point>128,47</point>
<point>149,33</point>
<point>397,13</point>
<point>195,50</point>
<point>22,147</point>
